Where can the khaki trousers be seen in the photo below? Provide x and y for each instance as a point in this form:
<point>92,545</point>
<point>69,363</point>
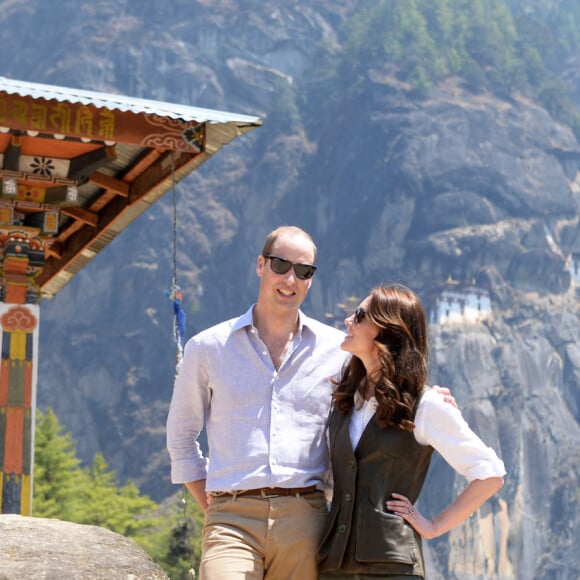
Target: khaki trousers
<point>254,538</point>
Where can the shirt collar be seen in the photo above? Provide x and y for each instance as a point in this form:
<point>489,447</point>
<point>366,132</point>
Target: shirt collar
<point>359,402</point>
<point>247,320</point>
<point>244,320</point>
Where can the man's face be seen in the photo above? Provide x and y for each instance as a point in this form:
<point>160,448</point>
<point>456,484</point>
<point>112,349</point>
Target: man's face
<point>285,290</point>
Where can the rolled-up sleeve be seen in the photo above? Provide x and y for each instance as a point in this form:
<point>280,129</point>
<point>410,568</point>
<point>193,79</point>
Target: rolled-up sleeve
<point>185,421</point>
<point>442,426</point>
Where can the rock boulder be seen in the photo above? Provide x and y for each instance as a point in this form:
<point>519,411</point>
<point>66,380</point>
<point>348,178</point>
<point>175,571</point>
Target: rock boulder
<point>54,549</point>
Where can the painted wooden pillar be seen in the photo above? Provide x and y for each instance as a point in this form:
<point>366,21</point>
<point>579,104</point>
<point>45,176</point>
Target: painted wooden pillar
<point>18,375</point>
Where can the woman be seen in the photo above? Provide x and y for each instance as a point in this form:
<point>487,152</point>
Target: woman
<point>384,427</point>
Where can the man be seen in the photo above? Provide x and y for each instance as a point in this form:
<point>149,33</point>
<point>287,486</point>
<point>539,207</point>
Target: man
<point>261,386</point>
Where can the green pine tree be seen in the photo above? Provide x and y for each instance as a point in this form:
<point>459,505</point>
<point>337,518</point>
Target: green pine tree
<point>121,509</point>
<point>64,490</point>
<point>56,469</point>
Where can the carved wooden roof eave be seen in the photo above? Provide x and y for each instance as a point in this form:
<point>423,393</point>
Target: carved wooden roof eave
<point>82,246</point>
<point>88,241</point>
<point>160,144</point>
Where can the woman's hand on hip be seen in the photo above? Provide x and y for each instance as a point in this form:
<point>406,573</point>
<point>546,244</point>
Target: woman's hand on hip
<point>401,506</point>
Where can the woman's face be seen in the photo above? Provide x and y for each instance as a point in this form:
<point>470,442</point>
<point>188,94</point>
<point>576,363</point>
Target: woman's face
<point>361,334</point>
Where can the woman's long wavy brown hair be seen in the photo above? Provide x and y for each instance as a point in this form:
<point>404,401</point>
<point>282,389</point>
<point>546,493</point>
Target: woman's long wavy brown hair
<point>403,352</point>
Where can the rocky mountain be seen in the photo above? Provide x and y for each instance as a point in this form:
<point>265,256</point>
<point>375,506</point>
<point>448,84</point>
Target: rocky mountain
<point>470,197</point>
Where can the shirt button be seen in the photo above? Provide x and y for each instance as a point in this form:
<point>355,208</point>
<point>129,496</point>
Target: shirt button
<point>352,463</point>
<point>341,529</point>
<point>347,497</point>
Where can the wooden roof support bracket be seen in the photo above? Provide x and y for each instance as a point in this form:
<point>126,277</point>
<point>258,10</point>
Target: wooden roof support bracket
<point>89,218</point>
<point>107,182</point>
<point>55,250</point>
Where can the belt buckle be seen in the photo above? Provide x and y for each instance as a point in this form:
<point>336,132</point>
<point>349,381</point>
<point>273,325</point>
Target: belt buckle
<point>266,495</point>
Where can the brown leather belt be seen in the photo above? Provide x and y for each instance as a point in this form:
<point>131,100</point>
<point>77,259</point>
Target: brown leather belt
<point>268,492</point>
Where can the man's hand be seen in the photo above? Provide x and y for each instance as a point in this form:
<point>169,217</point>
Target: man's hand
<point>446,394</point>
<point>197,490</point>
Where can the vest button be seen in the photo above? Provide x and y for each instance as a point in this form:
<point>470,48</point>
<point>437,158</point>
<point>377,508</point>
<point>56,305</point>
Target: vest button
<point>341,529</point>
<point>347,497</point>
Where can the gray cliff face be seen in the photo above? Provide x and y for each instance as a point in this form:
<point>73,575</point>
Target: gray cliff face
<point>469,199</point>
<point>457,191</point>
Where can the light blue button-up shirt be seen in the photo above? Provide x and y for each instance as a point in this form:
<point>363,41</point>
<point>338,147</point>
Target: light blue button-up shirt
<point>265,427</point>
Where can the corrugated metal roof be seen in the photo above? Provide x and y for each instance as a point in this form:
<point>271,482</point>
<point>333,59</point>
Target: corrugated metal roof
<point>147,161</point>
<point>123,103</point>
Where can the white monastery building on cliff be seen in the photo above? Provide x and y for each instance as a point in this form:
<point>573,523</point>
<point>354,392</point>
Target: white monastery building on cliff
<point>456,303</point>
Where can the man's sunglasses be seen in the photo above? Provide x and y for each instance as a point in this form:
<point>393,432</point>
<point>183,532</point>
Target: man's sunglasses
<point>281,266</point>
<point>359,315</point>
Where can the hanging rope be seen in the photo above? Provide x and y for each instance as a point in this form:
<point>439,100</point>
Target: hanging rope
<point>179,318</point>
<point>185,496</point>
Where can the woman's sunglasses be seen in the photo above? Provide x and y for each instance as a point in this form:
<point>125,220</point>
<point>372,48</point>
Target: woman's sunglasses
<point>281,266</point>
<point>359,315</point>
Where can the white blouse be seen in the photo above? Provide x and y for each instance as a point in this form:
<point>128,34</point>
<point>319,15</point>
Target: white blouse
<point>442,426</point>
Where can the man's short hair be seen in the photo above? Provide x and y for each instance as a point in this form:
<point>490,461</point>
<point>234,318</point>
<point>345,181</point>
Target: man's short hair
<point>287,230</point>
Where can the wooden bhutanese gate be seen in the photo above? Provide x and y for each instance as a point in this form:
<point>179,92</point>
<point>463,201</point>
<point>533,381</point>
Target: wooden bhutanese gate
<point>76,167</point>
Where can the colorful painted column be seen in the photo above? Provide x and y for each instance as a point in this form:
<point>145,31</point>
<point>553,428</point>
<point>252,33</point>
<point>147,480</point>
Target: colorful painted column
<point>18,375</point>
